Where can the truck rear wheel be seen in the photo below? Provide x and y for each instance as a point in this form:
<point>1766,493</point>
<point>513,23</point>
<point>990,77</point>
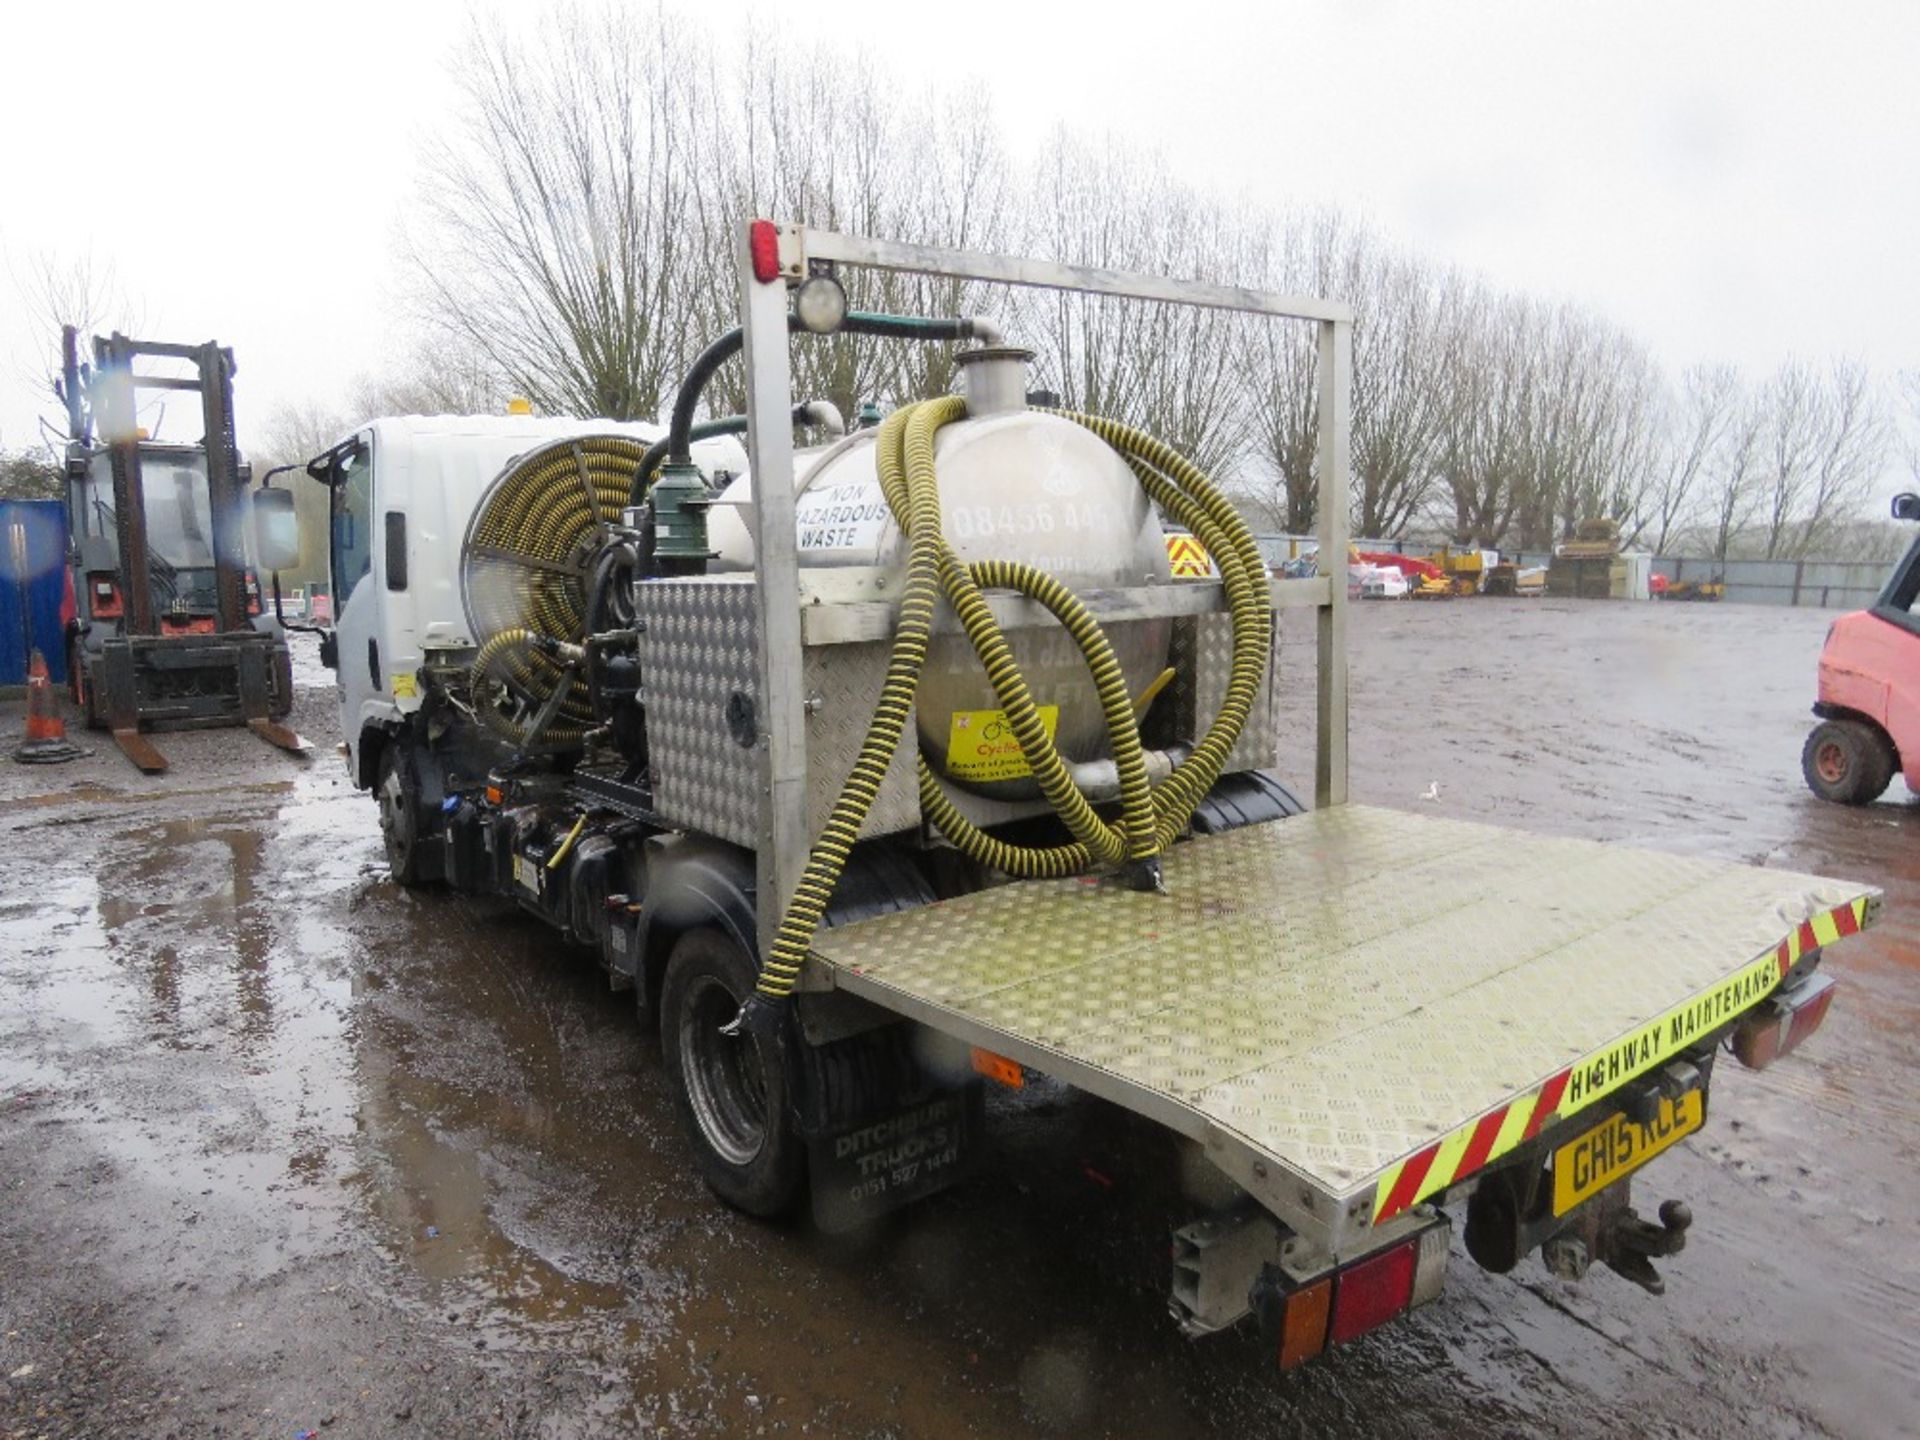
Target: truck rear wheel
<point>730,1090</point>
<point>1847,762</point>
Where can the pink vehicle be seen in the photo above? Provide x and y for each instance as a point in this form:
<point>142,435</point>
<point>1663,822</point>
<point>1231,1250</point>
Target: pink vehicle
<point>1869,705</point>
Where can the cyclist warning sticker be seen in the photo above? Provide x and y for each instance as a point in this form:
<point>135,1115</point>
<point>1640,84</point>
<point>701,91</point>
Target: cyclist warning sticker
<point>982,746</point>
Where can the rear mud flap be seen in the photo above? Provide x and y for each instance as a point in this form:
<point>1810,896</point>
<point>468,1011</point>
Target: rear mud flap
<point>869,1169</point>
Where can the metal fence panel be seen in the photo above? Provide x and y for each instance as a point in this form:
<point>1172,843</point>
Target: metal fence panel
<point>1817,584</point>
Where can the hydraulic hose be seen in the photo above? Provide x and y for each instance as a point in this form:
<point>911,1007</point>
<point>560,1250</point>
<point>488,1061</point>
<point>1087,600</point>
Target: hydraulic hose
<point>1151,817</point>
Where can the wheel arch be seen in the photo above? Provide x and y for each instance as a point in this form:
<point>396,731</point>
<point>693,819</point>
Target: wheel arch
<point>375,737</point>
<point>692,882</point>
<point>1827,710</point>
<point>695,881</point>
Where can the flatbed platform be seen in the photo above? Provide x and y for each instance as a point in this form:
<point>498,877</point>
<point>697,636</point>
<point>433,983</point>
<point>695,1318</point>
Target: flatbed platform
<point>1354,1008</point>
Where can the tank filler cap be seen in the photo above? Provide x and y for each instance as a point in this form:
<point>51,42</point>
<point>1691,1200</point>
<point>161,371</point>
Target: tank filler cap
<point>993,379</point>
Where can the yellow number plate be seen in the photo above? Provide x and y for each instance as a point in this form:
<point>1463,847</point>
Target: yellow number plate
<point>981,746</point>
<point>1584,1167</point>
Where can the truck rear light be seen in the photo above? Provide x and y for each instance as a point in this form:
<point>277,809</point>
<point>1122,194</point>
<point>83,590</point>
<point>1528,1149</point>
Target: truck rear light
<point>1371,1293</point>
<point>1359,1297</point>
<point>1303,1323</point>
<point>253,593</point>
<point>1778,1025</point>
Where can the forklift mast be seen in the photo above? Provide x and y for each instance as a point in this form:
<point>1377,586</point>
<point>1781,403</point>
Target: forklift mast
<point>116,395</point>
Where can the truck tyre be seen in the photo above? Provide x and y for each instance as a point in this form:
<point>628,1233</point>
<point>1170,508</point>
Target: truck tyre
<point>1847,761</point>
<point>398,795</point>
<point>730,1090</point>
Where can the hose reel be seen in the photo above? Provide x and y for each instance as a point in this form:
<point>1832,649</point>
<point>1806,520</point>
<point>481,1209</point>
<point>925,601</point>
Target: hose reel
<point>528,573</point>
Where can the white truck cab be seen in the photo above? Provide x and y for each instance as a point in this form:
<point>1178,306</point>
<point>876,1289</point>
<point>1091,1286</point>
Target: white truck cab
<point>403,490</point>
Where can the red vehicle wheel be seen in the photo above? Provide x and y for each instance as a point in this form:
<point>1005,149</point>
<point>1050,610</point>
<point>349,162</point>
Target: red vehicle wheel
<point>1847,762</point>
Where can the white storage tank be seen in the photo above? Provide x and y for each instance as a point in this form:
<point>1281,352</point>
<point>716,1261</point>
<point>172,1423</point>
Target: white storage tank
<point>1015,484</point>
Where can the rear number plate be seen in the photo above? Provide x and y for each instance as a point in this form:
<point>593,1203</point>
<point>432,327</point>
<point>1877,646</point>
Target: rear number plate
<point>1617,1146</point>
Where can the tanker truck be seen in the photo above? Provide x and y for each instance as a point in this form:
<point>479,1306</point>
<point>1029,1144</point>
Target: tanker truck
<point>894,767</point>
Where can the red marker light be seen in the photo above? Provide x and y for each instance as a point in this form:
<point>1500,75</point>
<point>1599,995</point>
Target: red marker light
<point>1776,1026</point>
<point>763,245</point>
<point>1371,1293</point>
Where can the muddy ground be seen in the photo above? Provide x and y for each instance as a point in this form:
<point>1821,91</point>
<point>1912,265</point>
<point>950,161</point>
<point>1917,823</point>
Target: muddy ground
<point>284,1148</point>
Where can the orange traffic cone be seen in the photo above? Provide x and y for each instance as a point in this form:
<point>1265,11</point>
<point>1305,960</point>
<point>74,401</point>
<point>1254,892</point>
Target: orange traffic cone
<point>46,741</point>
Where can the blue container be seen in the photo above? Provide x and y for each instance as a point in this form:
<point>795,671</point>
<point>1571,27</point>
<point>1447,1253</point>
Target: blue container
<point>30,601</point>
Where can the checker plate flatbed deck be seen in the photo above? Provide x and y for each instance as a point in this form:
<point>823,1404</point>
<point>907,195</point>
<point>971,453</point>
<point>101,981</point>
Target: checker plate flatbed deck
<point>1353,1008</point>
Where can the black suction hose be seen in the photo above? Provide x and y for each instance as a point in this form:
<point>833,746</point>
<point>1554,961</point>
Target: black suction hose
<point>858,322</point>
<point>704,430</point>
<point>708,361</point>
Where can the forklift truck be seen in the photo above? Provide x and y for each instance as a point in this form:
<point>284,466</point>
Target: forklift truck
<point>167,628</point>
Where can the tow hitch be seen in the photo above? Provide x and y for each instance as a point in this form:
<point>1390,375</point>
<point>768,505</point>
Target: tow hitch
<point>1611,1231</point>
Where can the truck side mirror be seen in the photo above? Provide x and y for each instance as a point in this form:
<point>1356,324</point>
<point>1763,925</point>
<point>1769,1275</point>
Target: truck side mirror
<point>276,530</point>
<point>1906,507</point>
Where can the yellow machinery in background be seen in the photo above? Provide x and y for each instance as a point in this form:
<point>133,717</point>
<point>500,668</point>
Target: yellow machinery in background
<point>1465,570</point>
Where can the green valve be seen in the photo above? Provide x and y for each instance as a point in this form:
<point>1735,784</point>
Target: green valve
<point>680,503</point>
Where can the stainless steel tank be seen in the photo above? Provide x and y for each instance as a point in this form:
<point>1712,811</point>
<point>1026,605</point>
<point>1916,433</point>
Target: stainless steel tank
<point>1015,484</point>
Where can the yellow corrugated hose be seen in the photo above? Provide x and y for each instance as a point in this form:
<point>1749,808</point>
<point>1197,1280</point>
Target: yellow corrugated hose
<point>1151,818</point>
<point>516,648</point>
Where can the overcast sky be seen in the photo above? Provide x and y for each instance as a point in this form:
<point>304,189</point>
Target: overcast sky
<point>1730,181</point>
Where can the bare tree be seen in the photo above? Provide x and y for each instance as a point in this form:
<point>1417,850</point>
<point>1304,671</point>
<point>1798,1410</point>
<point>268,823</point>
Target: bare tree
<point>1403,349</point>
<point>1825,442</point>
<point>580,237</point>
<point>1791,406</point>
<point>57,290</point>
<point>1736,476</point>
<point>1164,368</point>
<point>1488,457</point>
<point>818,136</point>
<point>1695,425</point>
<point>294,432</point>
<point>556,217</point>
<point>1278,366</point>
<point>444,378</point>
<point>1852,448</point>
<point>1906,390</point>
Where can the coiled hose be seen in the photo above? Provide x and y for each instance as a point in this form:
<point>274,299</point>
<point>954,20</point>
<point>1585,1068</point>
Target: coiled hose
<point>525,573</point>
<point>528,650</point>
<point>1150,817</point>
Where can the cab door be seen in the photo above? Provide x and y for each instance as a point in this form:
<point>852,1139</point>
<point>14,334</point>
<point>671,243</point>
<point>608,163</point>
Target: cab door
<point>360,673</point>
